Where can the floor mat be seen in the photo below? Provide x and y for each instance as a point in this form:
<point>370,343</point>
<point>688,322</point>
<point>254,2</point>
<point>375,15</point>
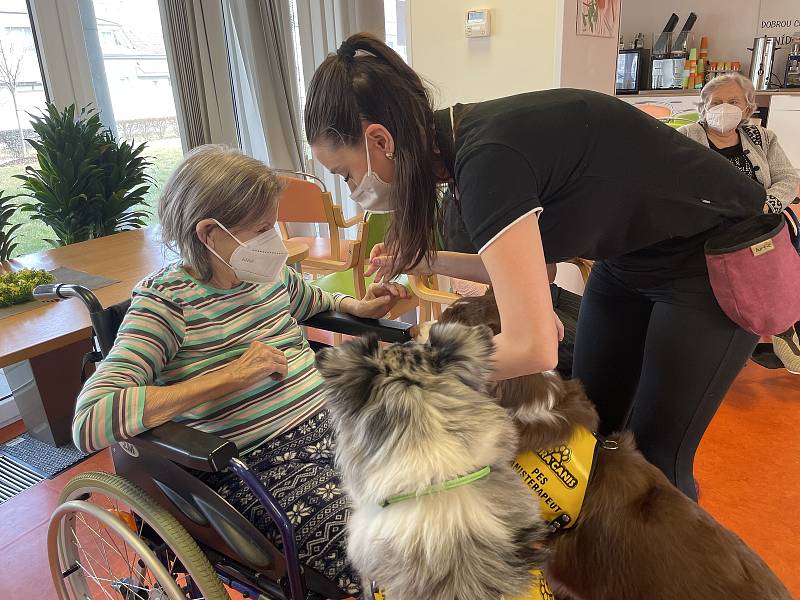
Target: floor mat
<point>41,458</point>
<point>15,478</point>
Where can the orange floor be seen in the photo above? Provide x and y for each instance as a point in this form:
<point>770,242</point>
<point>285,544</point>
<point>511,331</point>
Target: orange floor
<point>748,468</point>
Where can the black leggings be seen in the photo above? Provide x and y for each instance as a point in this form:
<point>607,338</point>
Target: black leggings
<point>657,361</point>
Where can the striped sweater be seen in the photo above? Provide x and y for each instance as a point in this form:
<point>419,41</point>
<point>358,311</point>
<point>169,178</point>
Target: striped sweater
<point>178,328</point>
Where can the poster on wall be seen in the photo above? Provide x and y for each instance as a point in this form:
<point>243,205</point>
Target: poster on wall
<point>597,17</point>
<point>779,19</point>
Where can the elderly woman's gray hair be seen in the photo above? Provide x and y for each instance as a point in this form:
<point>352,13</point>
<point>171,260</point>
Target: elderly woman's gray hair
<point>213,182</point>
<point>721,80</point>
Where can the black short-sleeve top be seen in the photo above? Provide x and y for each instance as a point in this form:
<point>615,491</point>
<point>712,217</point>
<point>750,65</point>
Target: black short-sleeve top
<point>607,179</point>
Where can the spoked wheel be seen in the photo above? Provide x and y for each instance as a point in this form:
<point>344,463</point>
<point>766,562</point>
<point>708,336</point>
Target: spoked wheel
<point>109,540</point>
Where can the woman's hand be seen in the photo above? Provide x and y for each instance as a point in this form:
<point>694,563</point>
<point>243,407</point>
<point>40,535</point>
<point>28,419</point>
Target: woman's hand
<point>379,300</point>
<point>257,363</point>
<point>382,265</point>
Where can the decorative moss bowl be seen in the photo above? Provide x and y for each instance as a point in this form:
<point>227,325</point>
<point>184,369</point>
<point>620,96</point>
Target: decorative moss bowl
<point>17,287</point>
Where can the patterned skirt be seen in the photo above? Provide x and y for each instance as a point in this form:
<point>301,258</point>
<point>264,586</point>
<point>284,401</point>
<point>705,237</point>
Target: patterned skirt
<point>297,469</point>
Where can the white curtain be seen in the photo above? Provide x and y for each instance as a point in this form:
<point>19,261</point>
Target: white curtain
<point>263,72</point>
<point>274,47</point>
<point>322,26</point>
<point>198,65</point>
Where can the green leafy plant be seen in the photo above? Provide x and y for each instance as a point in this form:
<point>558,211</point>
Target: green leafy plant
<point>17,287</point>
<point>87,185</point>
<point>7,230</point>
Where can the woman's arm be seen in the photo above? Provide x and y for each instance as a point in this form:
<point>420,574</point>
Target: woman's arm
<point>119,400</point>
<point>451,264</point>
<point>260,361</point>
<point>307,300</point>
<point>515,261</point>
<point>784,178</point>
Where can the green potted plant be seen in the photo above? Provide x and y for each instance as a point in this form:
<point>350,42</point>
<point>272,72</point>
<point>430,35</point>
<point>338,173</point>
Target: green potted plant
<point>87,185</point>
<point>7,230</point>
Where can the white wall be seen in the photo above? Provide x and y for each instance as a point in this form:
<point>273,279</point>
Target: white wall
<point>519,56</point>
<point>584,61</point>
<point>729,24</point>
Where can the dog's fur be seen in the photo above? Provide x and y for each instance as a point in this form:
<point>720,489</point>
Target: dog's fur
<point>637,537</point>
<point>410,416</point>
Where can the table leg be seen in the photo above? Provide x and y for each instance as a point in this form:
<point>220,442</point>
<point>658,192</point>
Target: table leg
<point>45,390</point>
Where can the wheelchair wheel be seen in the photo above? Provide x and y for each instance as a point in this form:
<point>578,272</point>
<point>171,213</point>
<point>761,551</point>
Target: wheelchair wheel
<point>108,539</point>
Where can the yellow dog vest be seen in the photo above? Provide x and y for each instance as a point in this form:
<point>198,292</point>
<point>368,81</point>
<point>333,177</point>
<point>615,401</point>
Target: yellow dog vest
<point>559,478</point>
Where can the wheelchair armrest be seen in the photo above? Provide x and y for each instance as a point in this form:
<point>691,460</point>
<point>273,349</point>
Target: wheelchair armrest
<point>386,330</point>
<point>187,446</point>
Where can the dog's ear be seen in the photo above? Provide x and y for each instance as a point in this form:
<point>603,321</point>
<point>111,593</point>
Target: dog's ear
<point>460,346</point>
<point>348,369</point>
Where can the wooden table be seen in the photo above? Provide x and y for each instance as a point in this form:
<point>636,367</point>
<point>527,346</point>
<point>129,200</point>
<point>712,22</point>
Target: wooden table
<point>45,345</point>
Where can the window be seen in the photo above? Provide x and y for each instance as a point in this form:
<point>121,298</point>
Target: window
<point>21,92</point>
<point>137,82</point>
<point>395,18</point>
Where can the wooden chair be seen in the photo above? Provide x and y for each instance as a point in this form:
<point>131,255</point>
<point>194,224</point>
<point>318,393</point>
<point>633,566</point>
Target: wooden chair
<point>431,298</point>
<point>307,201</point>
<point>352,281</point>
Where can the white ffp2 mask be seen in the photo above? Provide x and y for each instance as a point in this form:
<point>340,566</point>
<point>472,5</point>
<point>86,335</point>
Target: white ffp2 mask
<point>259,260</point>
<point>373,193</point>
<point>724,117</point>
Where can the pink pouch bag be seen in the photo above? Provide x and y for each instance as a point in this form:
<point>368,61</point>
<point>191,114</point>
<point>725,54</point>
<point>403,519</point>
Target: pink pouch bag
<point>754,268</point>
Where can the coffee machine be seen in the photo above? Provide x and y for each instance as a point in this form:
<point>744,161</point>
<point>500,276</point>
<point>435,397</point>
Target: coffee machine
<point>792,77</point>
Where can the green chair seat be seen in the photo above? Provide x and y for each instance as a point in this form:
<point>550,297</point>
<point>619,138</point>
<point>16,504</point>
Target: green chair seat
<point>342,282</point>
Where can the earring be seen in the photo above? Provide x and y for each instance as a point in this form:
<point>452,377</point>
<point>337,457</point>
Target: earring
<point>390,155</point>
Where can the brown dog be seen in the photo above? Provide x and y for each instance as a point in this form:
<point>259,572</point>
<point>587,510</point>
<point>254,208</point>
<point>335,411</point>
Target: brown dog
<point>637,536</point>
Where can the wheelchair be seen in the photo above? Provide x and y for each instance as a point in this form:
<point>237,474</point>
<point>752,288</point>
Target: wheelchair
<point>154,531</point>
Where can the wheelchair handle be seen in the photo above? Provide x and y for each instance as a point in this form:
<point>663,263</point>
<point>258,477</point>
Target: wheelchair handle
<point>61,291</point>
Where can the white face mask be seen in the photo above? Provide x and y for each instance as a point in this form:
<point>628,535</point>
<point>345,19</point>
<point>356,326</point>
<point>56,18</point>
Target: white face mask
<point>724,117</point>
<point>259,260</point>
<point>373,192</point>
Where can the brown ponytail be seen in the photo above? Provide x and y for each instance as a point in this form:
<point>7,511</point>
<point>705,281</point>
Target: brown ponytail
<point>368,81</point>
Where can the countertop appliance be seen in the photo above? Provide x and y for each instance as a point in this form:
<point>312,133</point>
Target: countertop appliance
<point>669,55</point>
<point>792,77</point>
<point>632,70</point>
<point>761,64</point>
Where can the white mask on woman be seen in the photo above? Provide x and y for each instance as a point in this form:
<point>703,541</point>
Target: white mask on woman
<point>259,260</point>
<point>373,193</point>
<point>724,117</point>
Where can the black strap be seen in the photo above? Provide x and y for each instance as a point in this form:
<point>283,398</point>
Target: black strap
<point>794,228</point>
<point>92,358</point>
<point>788,337</point>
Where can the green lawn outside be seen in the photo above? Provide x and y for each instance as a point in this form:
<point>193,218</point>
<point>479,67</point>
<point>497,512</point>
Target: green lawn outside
<point>164,154</point>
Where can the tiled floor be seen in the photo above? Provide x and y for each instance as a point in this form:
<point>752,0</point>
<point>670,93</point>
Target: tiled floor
<point>748,468</point>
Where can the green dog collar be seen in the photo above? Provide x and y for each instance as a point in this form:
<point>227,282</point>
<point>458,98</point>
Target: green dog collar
<point>440,487</point>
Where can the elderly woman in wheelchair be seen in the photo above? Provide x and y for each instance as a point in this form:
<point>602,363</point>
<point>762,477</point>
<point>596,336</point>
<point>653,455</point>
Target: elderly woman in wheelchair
<point>213,342</point>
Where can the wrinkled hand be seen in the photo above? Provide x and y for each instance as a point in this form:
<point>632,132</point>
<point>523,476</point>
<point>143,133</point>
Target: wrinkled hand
<point>379,300</point>
<point>257,363</point>
<point>382,265</point>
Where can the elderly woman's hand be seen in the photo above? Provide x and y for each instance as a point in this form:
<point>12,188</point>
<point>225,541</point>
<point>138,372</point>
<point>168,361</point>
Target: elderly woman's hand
<point>379,300</point>
<point>257,363</point>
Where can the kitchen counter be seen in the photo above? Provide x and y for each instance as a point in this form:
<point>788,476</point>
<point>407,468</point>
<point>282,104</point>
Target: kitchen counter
<point>663,93</point>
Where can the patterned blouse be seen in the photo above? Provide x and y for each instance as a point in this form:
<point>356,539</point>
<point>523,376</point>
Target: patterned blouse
<point>737,155</point>
<point>178,328</point>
